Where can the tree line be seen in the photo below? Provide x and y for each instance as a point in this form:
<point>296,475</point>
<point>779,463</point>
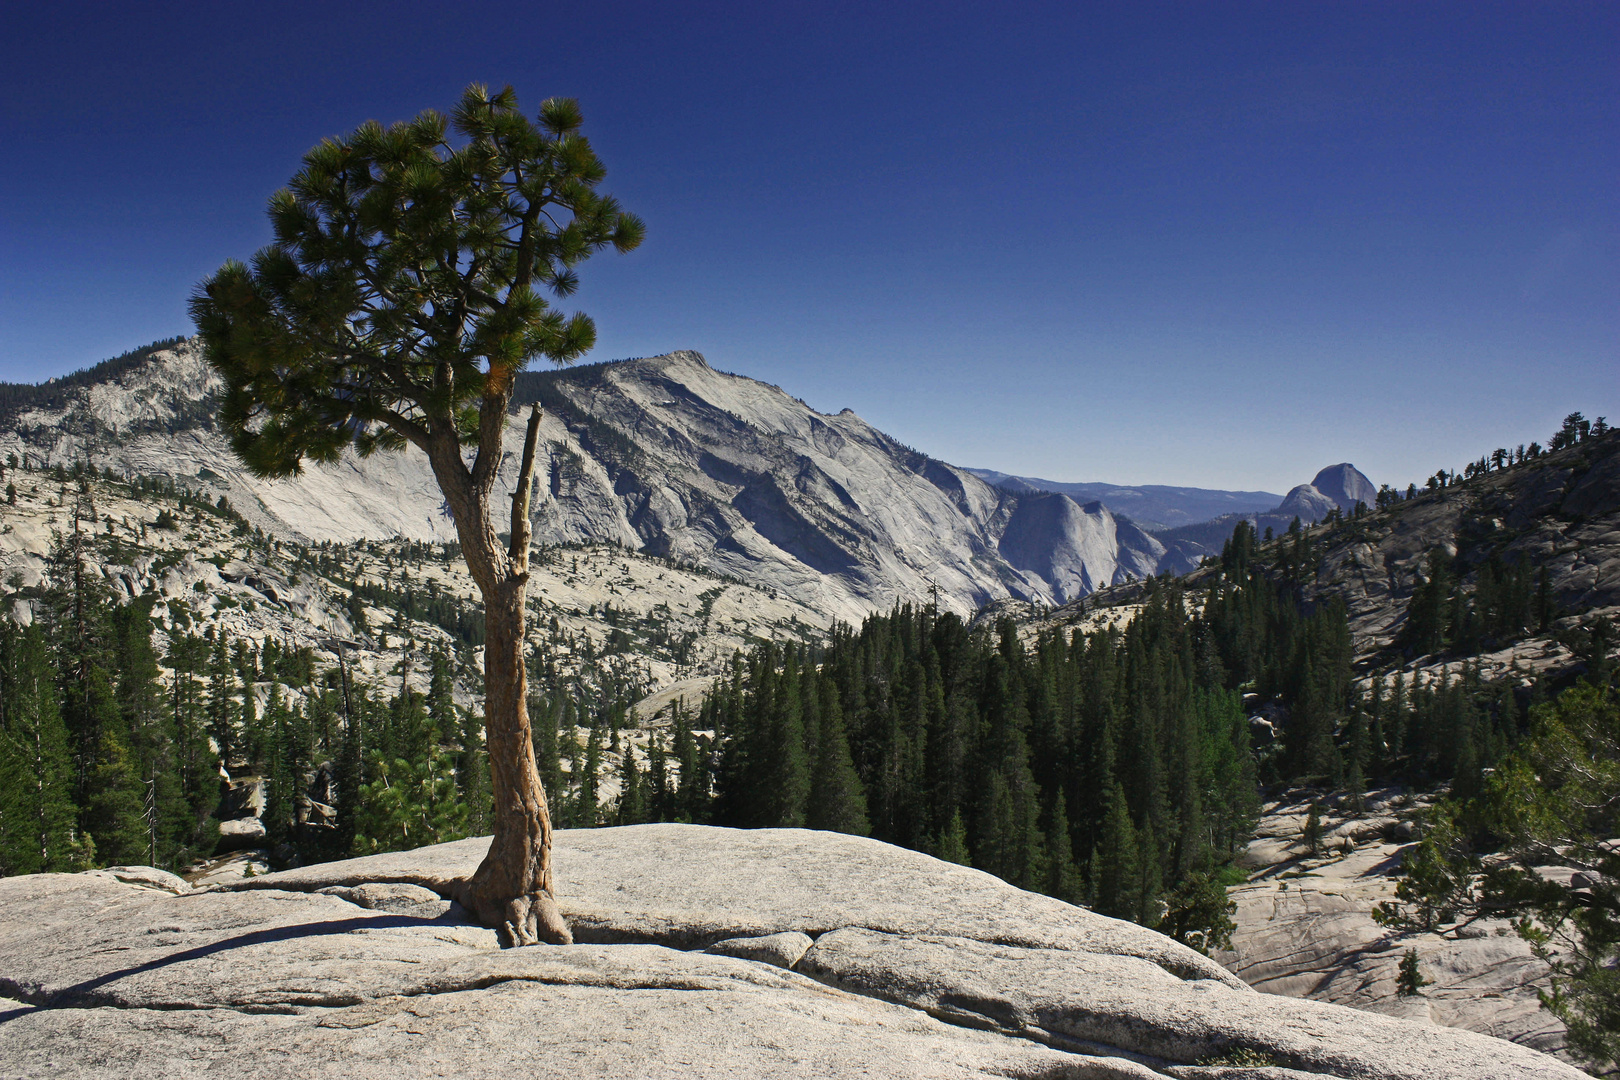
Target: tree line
<point>108,759</point>
<point>1575,429</point>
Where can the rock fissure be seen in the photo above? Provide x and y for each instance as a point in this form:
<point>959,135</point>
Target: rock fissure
<point>40,1001</point>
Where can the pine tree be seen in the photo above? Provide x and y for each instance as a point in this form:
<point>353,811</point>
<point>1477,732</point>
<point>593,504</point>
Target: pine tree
<point>410,804</point>
<point>1312,830</point>
<point>659,796</point>
<point>587,812</point>
<point>221,726</point>
<point>150,728</point>
<point>518,200</point>
<point>284,765</point>
<point>692,795</point>
<point>786,781</point>
<point>951,845</point>
<point>837,799</point>
<point>1063,876</point>
<point>1115,877</point>
<point>472,770</point>
<point>1410,981</point>
<point>632,808</point>
<point>37,814</point>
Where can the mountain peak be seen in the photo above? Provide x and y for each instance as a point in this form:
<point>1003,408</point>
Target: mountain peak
<point>1345,485</point>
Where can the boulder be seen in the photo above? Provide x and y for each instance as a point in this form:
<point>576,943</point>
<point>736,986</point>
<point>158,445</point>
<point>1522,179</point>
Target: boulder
<point>227,868</point>
<point>908,967</point>
<point>149,876</point>
<point>239,834</point>
<point>780,950</point>
<point>398,898</point>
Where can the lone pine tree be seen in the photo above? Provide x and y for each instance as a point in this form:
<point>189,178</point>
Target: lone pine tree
<point>398,302</point>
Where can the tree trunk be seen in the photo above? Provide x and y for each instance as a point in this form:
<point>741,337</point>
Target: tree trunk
<point>511,891</point>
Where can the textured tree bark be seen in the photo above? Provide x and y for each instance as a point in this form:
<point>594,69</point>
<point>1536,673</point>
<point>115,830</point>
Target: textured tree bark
<point>511,891</point>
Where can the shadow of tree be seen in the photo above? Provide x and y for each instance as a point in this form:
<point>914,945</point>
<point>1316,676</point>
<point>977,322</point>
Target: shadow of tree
<point>86,994</point>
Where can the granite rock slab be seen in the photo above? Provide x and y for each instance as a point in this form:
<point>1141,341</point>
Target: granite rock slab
<point>858,959</point>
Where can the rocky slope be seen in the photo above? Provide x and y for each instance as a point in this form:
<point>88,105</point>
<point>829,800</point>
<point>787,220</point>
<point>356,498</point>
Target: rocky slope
<point>702,952</point>
<point>664,627</point>
<point>1561,511</point>
<point>665,456</point>
<point>1305,926</point>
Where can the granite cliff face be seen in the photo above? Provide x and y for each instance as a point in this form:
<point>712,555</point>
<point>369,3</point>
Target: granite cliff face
<point>1340,487</point>
<point>701,952</point>
<point>1307,503</point>
<point>1346,486</point>
<point>665,456</point>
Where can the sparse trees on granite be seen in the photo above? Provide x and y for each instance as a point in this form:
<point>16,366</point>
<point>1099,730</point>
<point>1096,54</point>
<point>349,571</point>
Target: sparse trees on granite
<point>1554,801</point>
<point>400,298</point>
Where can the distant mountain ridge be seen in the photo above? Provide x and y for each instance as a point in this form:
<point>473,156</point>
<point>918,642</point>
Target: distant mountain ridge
<point>1337,487</point>
<point>1152,506</point>
<point>663,455</point>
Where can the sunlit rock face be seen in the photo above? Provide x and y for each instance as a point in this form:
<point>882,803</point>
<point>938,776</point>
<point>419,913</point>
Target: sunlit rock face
<point>699,952</point>
<point>1305,925</point>
<point>666,456</point>
<point>1346,486</point>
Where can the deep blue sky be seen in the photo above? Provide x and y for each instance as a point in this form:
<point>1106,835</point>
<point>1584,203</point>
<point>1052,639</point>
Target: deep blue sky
<point>1221,244</point>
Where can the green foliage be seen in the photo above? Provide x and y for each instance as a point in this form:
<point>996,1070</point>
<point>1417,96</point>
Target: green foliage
<point>1312,832</point>
<point>1241,1057</point>
<point>837,798</point>
<point>1409,980</point>
<point>1116,861</point>
<point>400,293</point>
<point>1556,801</point>
<point>463,621</point>
<point>1552,801</point>
<point>952,843</point>
<point>1110,767</point>
<point>409,804</point>
<point>1199,915</point>
<point>1437,876</point>
<point>587,813</point>
<point>37,815</point>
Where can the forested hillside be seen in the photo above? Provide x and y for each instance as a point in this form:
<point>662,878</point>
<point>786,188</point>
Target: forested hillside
<point>176,685</point>
<point>1109,751</point>
<point>314,702</point>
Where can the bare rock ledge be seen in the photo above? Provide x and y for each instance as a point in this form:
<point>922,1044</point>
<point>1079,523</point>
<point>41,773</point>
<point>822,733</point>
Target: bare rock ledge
<point>872,961</point>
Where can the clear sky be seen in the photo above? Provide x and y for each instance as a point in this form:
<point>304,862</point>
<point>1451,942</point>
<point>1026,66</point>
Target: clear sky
<point>1220,244</point>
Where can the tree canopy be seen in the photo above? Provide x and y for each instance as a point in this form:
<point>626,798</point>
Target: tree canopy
<point>403,288</point>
